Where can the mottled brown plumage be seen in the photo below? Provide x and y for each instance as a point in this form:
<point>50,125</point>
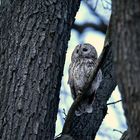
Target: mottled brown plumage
<point>83,61</point>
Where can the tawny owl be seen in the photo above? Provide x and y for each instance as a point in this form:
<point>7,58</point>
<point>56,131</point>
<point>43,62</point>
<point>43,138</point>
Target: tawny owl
<point>83,61</point>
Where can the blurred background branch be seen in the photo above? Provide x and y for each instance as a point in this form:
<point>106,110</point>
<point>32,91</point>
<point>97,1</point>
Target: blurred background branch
<point>101,26</point>
<point>98,27</point>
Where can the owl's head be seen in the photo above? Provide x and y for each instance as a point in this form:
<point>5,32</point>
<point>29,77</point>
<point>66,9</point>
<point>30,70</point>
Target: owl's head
<point>84,51</point>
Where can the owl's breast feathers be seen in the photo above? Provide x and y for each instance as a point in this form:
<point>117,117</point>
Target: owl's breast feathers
<point>79,72</point>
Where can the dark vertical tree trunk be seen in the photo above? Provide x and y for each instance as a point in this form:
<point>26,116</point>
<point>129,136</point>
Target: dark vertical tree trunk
<point>126,48</point>
<point>33,42</point>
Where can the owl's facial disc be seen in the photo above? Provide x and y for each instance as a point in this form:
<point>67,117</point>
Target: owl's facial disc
<point>87,51</point>
<point>84,52</point>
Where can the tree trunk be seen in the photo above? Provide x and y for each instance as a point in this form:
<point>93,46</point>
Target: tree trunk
<point>126,48</point>
<point>33,42</point>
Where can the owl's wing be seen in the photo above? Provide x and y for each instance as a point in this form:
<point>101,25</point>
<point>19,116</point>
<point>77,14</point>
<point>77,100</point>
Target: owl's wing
<point>71,81</point>
<point>86,105</point>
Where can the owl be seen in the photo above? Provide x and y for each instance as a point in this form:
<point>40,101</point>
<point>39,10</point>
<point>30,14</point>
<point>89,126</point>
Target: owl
<point>83,61</point>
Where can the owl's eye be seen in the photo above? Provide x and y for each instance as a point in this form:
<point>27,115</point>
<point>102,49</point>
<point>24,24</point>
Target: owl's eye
<point>84,49</point>
<point>77,51</point>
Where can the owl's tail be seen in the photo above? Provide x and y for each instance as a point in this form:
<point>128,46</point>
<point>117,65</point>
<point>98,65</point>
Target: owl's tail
<point>86,105</point>
<point>84,108</point>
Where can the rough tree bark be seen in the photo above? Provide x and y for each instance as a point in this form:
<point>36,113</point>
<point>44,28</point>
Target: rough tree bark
<point>126,48</point>
<point>33,42</point>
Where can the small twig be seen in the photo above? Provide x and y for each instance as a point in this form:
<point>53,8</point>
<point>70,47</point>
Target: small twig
<point>114,102</point>
<point>64,112</point>
<point>105,7</point>
<point>118,131</point>
<point>96,3</point>
<point>95,13</point>
<point>107,2</point>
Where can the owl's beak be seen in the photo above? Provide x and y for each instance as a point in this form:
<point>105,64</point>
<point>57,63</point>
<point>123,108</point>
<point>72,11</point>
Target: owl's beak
<point>80,52</point>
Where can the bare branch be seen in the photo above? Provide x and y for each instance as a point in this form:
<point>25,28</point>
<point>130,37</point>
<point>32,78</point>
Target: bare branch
<point>109,3</point>
<point>118,131</point>
<point>101,26</point>
<point>96,3</point>
<point>114,102</point>
<point>64,112</point>
<point>106,7</point>
<point>100,18</point>
<point>98,27</point>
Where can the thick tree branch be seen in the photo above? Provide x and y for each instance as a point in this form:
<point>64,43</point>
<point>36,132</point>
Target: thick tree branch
<point>78,100</point>
<point>86,126</point>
